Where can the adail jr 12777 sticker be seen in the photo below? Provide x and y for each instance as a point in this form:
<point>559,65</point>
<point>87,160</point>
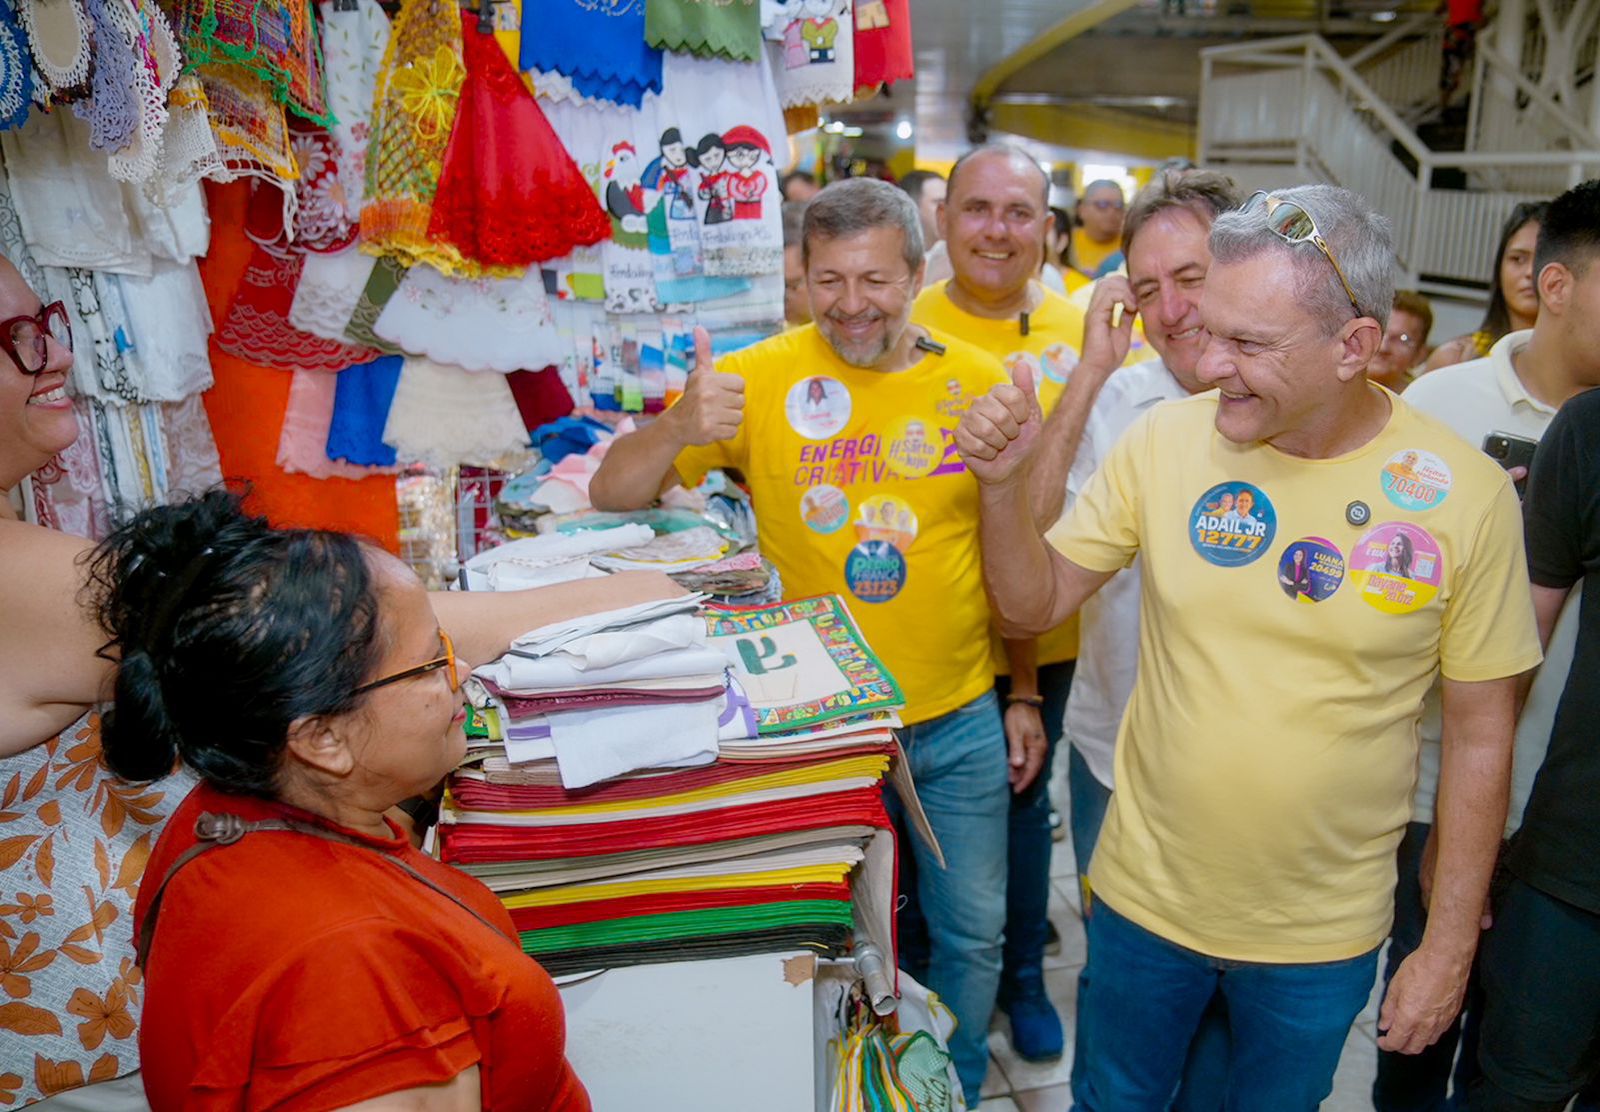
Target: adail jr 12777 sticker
<point>1232,524</point>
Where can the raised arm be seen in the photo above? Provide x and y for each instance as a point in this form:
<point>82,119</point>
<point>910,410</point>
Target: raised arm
<point>1104,349</point>
<point>1032,588</point>
<point>49,638</point>
<point>484,623</point>
<point>638,468</point>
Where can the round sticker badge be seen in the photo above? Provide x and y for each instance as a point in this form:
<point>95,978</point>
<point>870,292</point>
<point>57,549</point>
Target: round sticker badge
<point>883,517</point>
<point>1398,567</point>
<point>825,509</point>
<point>875,571</point>
<point>818,407</point>
<point>914,446</point>
<point>1311,569</point>
<point>1416,480</point>
<point>1232,524</point>
<point>1059,361</point>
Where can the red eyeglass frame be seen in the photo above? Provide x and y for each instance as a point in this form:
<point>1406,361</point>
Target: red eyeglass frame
<point>42,320</point>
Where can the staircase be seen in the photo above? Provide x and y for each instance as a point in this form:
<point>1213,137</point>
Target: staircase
<point>1290,110</point>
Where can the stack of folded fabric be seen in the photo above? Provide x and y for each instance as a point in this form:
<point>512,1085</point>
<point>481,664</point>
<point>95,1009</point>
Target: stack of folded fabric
<point>716,793</point>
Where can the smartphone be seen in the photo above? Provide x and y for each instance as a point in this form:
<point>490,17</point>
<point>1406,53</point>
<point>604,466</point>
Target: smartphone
<point>1509,450</point>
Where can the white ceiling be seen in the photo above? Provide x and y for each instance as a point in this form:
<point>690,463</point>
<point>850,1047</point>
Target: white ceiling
<point>956,42</point>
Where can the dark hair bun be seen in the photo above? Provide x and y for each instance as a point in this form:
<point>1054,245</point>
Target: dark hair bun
<point>227,630</point>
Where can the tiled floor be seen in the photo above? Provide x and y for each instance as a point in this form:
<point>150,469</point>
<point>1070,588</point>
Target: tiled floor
<point>1017,1086</point>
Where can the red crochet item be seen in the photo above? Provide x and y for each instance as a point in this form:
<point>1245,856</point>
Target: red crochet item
<point>883,54</point>
<point>510,195</point>
<point>257,326</point>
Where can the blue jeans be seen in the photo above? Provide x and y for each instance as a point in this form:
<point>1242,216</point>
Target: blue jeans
<point>1029,842</point>
<point>958,762</point>
<point>1205,1074</point>
<point>1287,1023</point>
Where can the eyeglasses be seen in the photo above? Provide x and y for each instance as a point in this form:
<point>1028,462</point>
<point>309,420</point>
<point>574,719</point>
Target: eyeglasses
<point>24,337</point>
<point>1294,224</point>
<point>1104,204</point>
<point>447,662</point>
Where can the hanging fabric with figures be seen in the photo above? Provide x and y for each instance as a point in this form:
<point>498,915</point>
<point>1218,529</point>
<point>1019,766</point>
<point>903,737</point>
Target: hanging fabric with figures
<point>817,40</point>
<point>882,44</point>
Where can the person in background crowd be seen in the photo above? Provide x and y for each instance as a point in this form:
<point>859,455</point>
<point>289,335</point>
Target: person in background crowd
<point>798,186</point>
<point>1515,389</point>
<point>1165,239</point>
<point>796,307</point>
<point>1097,241</point>
<point>304,676</point>
<point>927,189</point>
<point>892,394</point>
<point>1405,341</point>
<point>1248,847</point>
<point>993,221</point>
<point>1513,304</point>
<point>1057,274</point>
<point>1541,958</point>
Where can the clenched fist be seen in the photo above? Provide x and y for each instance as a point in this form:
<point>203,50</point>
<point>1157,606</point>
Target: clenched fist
<point>998,434</point>
<point>712,406</point>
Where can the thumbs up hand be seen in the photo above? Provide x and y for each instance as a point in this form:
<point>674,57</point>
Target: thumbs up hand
<point>999,432</point>
<point>712,406</point>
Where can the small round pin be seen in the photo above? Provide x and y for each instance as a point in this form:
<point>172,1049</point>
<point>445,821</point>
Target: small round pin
<point>1357,513</point>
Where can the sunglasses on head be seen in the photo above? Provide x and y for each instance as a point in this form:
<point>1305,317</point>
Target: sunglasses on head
<point>1293,224</point>
<point>25,338</point>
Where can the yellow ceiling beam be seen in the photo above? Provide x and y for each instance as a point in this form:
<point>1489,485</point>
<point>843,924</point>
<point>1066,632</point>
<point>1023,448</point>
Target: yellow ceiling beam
<point>1090,15</point>
<point>1095,128</point>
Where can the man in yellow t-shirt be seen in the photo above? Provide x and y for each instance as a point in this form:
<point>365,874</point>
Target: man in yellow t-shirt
<point>1266,760</point>
<point>1098,237</point>
<point>993,220</point>
<point>844,430</point>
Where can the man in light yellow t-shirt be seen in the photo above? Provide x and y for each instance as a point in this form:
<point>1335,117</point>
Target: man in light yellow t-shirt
<point>1296,605</point>
<point>993,220</point>
<point>844,430</point>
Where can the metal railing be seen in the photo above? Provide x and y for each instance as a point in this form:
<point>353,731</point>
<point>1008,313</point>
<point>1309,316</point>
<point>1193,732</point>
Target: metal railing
<point>1291,107</point>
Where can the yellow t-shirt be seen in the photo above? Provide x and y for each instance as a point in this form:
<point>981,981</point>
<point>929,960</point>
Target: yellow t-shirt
<point>1088,254</point>
<point>1052,346</point>
<point>859,492</point>
<point>1266,762</point>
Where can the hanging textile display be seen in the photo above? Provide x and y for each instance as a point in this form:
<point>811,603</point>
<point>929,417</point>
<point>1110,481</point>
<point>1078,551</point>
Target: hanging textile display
<point>257,326</point>
<point>818,51</point>
<point>728,29</point>
<point>480,324</point>
<point>415,102</point>
<point>363,395</point>
<point>444,415</point>
<point>883,43</point>
<point>60,38</point>
<point>274,39</point>
<point>354,40</point>
<point>509,194</point>
<point>331,283</point>
<point>599,48</point>
<point>250,130</point>
<point>16,70</point>
<point>155,69</point>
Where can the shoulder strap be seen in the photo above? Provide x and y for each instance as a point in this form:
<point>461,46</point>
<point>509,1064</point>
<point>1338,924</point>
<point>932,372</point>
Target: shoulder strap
<point>215,830</point>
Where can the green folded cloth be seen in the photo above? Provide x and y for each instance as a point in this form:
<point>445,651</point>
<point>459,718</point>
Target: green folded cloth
<point>686,924</point>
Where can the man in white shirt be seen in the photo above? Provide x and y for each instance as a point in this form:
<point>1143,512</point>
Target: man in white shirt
<point>1165,240</point>
<point>1515,389</point>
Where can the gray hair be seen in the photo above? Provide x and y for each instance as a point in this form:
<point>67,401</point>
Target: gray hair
<point>855,205</point>
<point>1357,234</point>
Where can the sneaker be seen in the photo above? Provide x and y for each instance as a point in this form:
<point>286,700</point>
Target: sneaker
<point>1058,828</point>
<point>1052,938</point>
<point>1036,1033</point>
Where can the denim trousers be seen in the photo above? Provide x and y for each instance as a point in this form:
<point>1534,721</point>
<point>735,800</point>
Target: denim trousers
<point>1146,998</point>
<point>958,762</point>
<point>1029,845</point>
